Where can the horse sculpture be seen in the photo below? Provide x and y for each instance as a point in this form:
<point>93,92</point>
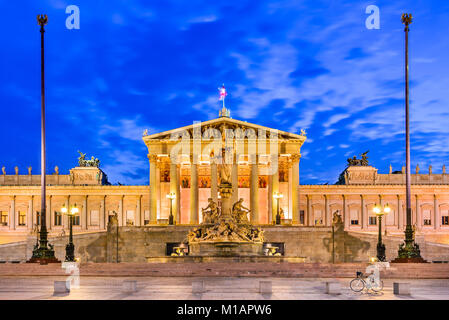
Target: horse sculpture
<point>359,162</point>
<point>82,162</point>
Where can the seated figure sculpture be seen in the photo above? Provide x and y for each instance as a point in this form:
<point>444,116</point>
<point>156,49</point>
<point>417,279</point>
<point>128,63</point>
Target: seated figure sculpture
<point>211,215</point>
<point>240,212</point>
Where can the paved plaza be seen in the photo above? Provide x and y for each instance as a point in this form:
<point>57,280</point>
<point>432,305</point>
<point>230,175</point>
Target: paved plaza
<point>165,288</point>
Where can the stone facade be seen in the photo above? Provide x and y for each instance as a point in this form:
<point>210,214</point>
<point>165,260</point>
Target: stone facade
<point>264,162</point>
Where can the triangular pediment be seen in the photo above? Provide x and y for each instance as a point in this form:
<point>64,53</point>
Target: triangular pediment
<point>223,123</point>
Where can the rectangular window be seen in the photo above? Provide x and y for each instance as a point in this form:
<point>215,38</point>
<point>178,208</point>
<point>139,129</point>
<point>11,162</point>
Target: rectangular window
<point>389,218</point>
<point>38,218</point>
<point>94,218</point>
<point>444,217</point>
<point>130,217</point>
<point>318,218</point>
<point>22,218</point>
<point>147,217</point>
<point>4,218</point>
<point>426,218</point>
<point>301,216</point>
<point>373,221</point>
<point>354,214</point>
<point>76,220</point>
<point>58,218</point>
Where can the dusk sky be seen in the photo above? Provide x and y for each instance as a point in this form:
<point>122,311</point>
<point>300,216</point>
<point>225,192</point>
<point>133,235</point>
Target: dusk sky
<point>156,65</point>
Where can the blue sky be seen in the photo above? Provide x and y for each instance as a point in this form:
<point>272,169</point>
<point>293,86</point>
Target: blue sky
<point>156,65</point>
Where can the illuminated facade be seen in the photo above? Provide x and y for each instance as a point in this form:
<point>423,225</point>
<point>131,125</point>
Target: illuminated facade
<point>265,162</point>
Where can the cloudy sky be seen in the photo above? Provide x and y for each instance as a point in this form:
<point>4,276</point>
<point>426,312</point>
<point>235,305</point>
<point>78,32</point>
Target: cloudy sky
<point>156,65</point>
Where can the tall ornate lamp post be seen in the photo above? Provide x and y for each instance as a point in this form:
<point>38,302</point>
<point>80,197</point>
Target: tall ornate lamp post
<point>379,212</point>
<point>70,247</point>
<point>408,251</point>
<point>278,196</point>
<point>171,196</point>
<point>43,252</point>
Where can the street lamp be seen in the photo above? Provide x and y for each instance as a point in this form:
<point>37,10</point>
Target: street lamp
<point>43,252</point>
<point>409,250</point>
<point>277,196</point>
<point>171,196</point>
<point>379,212</point>
<point>70,247</point>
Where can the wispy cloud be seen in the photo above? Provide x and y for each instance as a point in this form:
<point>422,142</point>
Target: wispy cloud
<point>287,64</point>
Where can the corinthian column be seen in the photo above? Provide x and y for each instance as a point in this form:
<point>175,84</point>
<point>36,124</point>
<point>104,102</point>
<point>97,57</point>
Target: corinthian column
<point>84,214</point>
<point>137,212</point>
<point>235,178</point>
<point>174,188</point>
<point>214,180</point>
<point>400,213</point>
<point>30,214</point>
<point>274,188</point>
<point>103,222</point>
<point>363,214</point>
<point>295,185</point>
<point>418,214</point>
<point>346,213</point>
<point>254,189</point>
<point>193,190</point>
<point>437,219</point>
<point>12,214</point>
<point>153,189</point>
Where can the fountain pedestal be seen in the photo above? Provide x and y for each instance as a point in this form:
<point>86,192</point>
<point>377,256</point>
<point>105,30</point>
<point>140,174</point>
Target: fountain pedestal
<point>226,237</point>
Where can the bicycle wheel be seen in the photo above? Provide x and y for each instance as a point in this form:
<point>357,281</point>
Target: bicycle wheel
<point>376,287</point>
<point>357,285</point>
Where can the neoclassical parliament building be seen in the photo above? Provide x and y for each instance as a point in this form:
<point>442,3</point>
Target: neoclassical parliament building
<point>183,176</point>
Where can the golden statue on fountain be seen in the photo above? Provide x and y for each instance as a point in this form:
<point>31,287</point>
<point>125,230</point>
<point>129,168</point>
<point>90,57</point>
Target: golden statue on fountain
<point>225,231</point>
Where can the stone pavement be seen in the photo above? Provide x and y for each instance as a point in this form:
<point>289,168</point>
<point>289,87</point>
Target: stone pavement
<point>217,288</point>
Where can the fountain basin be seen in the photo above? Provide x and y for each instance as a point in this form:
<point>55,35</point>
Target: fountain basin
<point>225,248</point>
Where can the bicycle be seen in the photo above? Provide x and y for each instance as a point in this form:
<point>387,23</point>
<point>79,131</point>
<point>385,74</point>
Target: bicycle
<point>359,283</point>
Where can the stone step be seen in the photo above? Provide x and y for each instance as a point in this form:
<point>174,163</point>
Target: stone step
<point>399,271</point>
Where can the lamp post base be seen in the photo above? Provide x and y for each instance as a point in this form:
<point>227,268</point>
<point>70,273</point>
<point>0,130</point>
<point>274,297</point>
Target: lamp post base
<point>70,252</point>
<point>409,260</point>
<point>43,252</point>
<point>43,256</point>
<point>278,219</point>
<point>381,252</point>
<point>409,250</point>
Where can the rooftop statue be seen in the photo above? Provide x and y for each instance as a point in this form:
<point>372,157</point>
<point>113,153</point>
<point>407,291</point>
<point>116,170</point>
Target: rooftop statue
<point>82,162</point>
<point>359,162</point>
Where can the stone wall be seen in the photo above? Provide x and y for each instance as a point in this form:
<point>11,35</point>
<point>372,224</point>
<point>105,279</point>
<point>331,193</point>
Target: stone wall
<point>136,244</point>
<point>430,251</point>
<point>89,247</point>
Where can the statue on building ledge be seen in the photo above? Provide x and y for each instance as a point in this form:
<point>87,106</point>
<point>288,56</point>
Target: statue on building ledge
<point>359,162</point>
<point>82,162</point>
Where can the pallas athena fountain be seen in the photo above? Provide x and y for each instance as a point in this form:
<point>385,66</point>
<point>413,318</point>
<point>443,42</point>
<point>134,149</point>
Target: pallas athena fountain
<point>225,230</point>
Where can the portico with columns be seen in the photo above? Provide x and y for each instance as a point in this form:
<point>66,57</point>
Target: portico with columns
<point>185,162</point>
